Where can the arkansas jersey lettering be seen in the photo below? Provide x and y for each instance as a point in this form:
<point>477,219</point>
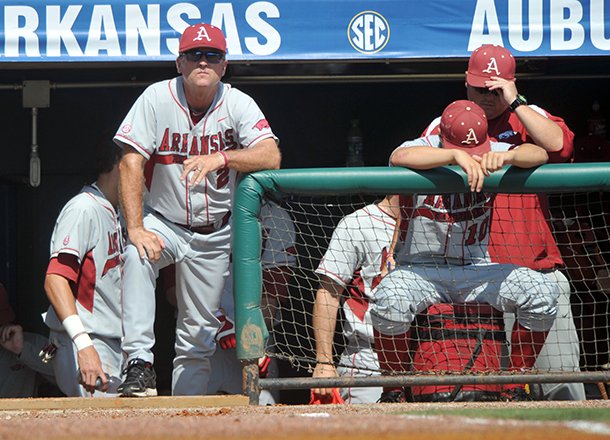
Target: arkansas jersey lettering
<point>114,253</point>
<point>182,143</point>
<point>113,243</point>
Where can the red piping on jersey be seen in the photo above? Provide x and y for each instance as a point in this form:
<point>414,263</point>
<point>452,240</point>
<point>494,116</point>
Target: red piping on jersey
<point>95,198</point>
<point>386,213</point>
<point>375,217</point>
<point>332,275</point>
<point>70,251</point>
<point>177,101</point>
<point>263,136</point>
<point>205,189</point>
<point>134,145</point>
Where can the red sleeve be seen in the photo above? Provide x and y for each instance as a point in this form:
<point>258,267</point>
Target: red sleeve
<point>65,265</point>
<point>567,152</point>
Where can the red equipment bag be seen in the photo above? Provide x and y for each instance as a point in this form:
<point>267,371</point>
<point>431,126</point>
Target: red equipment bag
<point>452,338</point>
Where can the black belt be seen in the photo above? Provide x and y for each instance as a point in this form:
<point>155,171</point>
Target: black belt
<point>207,229</point>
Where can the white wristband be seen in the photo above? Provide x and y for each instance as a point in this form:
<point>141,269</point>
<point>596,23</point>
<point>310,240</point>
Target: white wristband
<point>76,330</point>
<point>82,341</point>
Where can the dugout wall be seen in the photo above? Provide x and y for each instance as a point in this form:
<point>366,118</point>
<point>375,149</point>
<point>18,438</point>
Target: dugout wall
<point>555,179</point>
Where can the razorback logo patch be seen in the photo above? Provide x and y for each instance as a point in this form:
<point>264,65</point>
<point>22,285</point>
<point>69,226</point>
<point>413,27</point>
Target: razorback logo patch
<point>261,125</point>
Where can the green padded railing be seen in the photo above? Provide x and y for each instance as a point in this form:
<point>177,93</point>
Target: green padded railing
<point>250,327</point>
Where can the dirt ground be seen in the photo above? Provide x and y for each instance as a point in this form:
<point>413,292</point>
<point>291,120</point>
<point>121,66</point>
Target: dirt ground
<point>332,422</point>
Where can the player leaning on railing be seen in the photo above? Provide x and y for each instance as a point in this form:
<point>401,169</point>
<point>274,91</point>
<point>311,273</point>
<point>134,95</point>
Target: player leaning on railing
<point>444,255</point>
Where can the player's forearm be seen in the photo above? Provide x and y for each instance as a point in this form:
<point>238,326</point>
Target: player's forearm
<point>324,323</point>
<point>265,155</point>
<point>528,156</point>
<point>131,182</point>
<point>543,131</point>
<point>60,296</point>
<point>422,158</point>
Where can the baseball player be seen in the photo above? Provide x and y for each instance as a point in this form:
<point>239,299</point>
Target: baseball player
<point>189,136</point>
<point>444,257</point>
<point>278,259</point>
<point>353,263</point>
<point>519,218</point>
<point>21,369</point>
<point>83,285</point>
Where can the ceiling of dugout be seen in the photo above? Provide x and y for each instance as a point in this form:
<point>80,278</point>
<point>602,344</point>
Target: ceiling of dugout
<point>137,73</point>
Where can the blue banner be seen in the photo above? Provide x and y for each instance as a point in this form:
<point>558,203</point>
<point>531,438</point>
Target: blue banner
<point>115,30</point>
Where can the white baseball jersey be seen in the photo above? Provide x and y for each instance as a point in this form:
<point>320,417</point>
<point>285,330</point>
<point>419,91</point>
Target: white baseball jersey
<point>355,256</point>
<point>88,228</point>
<point>447,236</point>
<point>160,128</point>
<point>445,228</point>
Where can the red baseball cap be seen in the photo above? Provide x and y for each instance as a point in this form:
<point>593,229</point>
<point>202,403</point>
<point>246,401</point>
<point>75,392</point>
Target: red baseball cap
<point>7,314</point>
<point>487,61</point>
<point>464,127</point>
<point>202,35</point>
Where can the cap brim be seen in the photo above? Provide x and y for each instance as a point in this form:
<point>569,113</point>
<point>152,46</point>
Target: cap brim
<point>476,80</point>
<point>479,150</point>
<point>196,46</point>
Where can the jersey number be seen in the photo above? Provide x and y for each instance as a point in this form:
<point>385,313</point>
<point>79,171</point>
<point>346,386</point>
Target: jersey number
<point>477,232</point>
<point>222,178</point>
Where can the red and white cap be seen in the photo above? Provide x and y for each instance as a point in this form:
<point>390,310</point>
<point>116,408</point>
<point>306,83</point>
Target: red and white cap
<point>487,61</point>
<point>464,127</point>
<point>202,36</point>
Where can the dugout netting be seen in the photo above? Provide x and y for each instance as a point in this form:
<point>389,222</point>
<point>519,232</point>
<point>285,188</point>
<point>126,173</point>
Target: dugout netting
<point>319,200</point>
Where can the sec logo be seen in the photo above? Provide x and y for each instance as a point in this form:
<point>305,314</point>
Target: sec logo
<point>368,32</point>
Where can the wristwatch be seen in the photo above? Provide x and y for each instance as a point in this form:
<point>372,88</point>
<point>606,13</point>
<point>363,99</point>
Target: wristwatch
<point>519,100</point>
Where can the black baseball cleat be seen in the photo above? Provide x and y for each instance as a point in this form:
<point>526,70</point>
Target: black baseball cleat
<point>140,380</point>
<point>516,394</point>
<point>392,397</point>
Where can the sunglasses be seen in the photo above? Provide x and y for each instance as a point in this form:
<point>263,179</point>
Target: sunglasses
<point>195,56</point>
<point>485,91</point>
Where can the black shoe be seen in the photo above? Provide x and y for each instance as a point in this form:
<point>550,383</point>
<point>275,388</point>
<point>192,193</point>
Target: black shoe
<point>392,397</point>
<point>140,380</point>
<point>517,394</point>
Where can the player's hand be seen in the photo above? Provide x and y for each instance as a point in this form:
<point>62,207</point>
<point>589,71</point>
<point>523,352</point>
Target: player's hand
<point>90,368</point>
<point>11,338</point>
<point>506,88</point>
<point>200,166</point>
<point>324,370</point>
<point>472,168</point>
<point>148,243</point>
<point>493,161</point>
<point>226,333</point>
